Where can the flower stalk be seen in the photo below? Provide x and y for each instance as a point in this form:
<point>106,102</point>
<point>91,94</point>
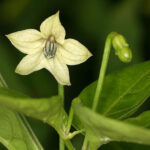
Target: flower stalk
<point>123,52</point>
<point>103,67</point>
<point>61,94</point>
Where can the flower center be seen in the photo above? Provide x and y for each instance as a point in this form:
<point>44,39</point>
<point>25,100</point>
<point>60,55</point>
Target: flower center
<point>50,47</point>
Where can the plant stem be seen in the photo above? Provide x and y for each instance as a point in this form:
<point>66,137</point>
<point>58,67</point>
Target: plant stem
<point>69,145</point>
<point>2,82</point>
<point>61,144</point>
<point>103,68</point>
<point>85,144</point>
<point>71,113</point>
<point>61,94</point>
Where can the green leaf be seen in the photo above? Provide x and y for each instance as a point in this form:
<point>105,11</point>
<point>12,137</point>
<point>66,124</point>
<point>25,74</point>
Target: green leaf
<point>45,109</point>
<point>123,91</point>
<point>142,120</point>
<point>124,146</point>
<point>102,130</point>
<point>48,110</point>
<point>15,132</point>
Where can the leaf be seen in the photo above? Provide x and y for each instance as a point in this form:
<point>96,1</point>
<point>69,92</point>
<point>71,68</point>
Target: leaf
<point>49,110</point>
<point>15,132</point>
<point>142,120</point>
<point>102,130</point>
<point>45,109</point>
<point>123,91</point>
<point>124,146</point>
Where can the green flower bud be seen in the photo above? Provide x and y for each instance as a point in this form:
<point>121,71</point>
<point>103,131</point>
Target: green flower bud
<point>119,42</point>
<point>122,49</point>
<point>125,54</point>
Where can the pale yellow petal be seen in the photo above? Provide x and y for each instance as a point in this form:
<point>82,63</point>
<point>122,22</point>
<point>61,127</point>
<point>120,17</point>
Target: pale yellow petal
<point>72,52</point>
<point>30,63</point>
<point>27,41</point>
<point>53,26</point>
<point>59,70</point>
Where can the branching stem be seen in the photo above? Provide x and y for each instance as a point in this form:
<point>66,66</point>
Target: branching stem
<point>62,142</point>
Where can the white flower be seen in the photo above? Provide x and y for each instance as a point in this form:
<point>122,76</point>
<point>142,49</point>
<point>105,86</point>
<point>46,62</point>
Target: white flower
<point>48,49</point>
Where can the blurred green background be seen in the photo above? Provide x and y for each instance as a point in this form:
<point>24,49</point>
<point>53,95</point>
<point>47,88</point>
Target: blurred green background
<point>88,21</point>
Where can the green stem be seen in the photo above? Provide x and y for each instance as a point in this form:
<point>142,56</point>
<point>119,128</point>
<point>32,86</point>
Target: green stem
<point>69,145</point>
<point>103,68</point>
<point>85,144</point>
<point>2,82</point>
<point>61,94</point>
<point>70,118</point>
<point>61,144</point>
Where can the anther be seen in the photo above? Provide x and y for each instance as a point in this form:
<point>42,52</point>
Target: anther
<point>50,47</point>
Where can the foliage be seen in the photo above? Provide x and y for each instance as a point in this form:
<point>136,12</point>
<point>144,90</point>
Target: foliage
<point>120,120</point>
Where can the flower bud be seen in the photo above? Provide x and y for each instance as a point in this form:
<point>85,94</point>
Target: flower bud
<point>125,54</point>
<point>122,49</point>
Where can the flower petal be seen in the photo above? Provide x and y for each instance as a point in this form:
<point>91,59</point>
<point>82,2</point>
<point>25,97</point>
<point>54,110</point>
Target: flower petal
<point>27,41</point>
<point>52,25</point>
<point>72,52</point>
<point>59,70</point>
<point>30,63</point>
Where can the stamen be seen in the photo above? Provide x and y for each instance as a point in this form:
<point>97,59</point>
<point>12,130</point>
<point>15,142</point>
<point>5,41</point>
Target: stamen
<point>50,47</point>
